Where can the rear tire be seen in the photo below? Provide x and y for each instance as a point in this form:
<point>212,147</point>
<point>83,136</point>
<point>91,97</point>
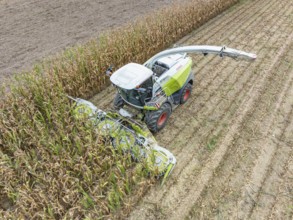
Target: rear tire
<point>186,93</point>
<point>157,120</point>
<point>118,102</point>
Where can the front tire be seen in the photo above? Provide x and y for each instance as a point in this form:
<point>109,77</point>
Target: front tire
<point>118,102</point>
<point>157,120</point>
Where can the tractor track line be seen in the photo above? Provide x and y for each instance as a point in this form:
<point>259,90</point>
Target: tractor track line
<point>223,178</point>
<point>277,171</point>
<point>280,190</point>
<point>234,165</point>
<point>207,171</point>
<point>275,212</point>
<point>238,155</point>
<point>269,153</point>
<point>288,151</point>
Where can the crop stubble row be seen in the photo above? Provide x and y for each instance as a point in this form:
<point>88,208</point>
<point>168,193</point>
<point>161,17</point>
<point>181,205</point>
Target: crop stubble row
<point>243,159</point>
<point>229,158</point>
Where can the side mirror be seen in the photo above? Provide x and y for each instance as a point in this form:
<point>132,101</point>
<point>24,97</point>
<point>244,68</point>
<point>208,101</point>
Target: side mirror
<point>109,71</point>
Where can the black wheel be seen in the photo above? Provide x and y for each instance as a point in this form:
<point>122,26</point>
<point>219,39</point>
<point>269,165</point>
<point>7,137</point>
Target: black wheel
<point>156,120</point>
<point>186,93</point>
<point>118,102</point>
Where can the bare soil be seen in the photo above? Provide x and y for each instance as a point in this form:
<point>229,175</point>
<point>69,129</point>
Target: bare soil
<point>31,30</point>
<point>233,139</point>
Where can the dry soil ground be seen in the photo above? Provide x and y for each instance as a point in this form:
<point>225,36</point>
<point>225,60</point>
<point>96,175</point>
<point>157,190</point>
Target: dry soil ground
<point>32,29</point>
<point>233,139</point>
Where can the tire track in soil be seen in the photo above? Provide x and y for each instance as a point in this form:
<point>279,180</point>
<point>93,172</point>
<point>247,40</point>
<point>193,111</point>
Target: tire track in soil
<point>206,173</point>
<point>264,161</point>
<point>230,175</point>
<point>270,189</point>
<point>282,208</point>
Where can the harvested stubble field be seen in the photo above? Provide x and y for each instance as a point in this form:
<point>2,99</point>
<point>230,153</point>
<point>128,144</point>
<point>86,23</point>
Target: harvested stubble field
<point>233,140</point>
<point>54,166</point>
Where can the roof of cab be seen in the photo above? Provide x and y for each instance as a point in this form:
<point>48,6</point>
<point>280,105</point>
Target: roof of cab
<point>130,76</point>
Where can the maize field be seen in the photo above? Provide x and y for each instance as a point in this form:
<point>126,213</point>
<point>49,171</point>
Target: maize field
<point>232,140</point>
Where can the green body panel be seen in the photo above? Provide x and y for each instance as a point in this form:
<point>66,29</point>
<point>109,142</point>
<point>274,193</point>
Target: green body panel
<point>178,80</point>
<point>150,108</point>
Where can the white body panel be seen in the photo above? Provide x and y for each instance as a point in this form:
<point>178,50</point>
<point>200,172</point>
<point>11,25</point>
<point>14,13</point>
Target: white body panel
<point>130,76</point>
<point>170,60</point>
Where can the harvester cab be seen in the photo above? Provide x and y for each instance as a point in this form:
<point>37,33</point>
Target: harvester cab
<point>162,83</point>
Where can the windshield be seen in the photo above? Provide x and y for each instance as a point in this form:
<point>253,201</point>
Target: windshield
<point>138,96</point>
<point>131,96</point>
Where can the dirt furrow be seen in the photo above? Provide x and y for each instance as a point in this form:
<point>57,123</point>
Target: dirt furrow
<point>207,172</point>
<point>272,189</point>
<point>284,142</point>
<point>237,156</point>
<point>236,165</point>
<point>283,208</point>
<point>264,161</point>
<point>219,200</point>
